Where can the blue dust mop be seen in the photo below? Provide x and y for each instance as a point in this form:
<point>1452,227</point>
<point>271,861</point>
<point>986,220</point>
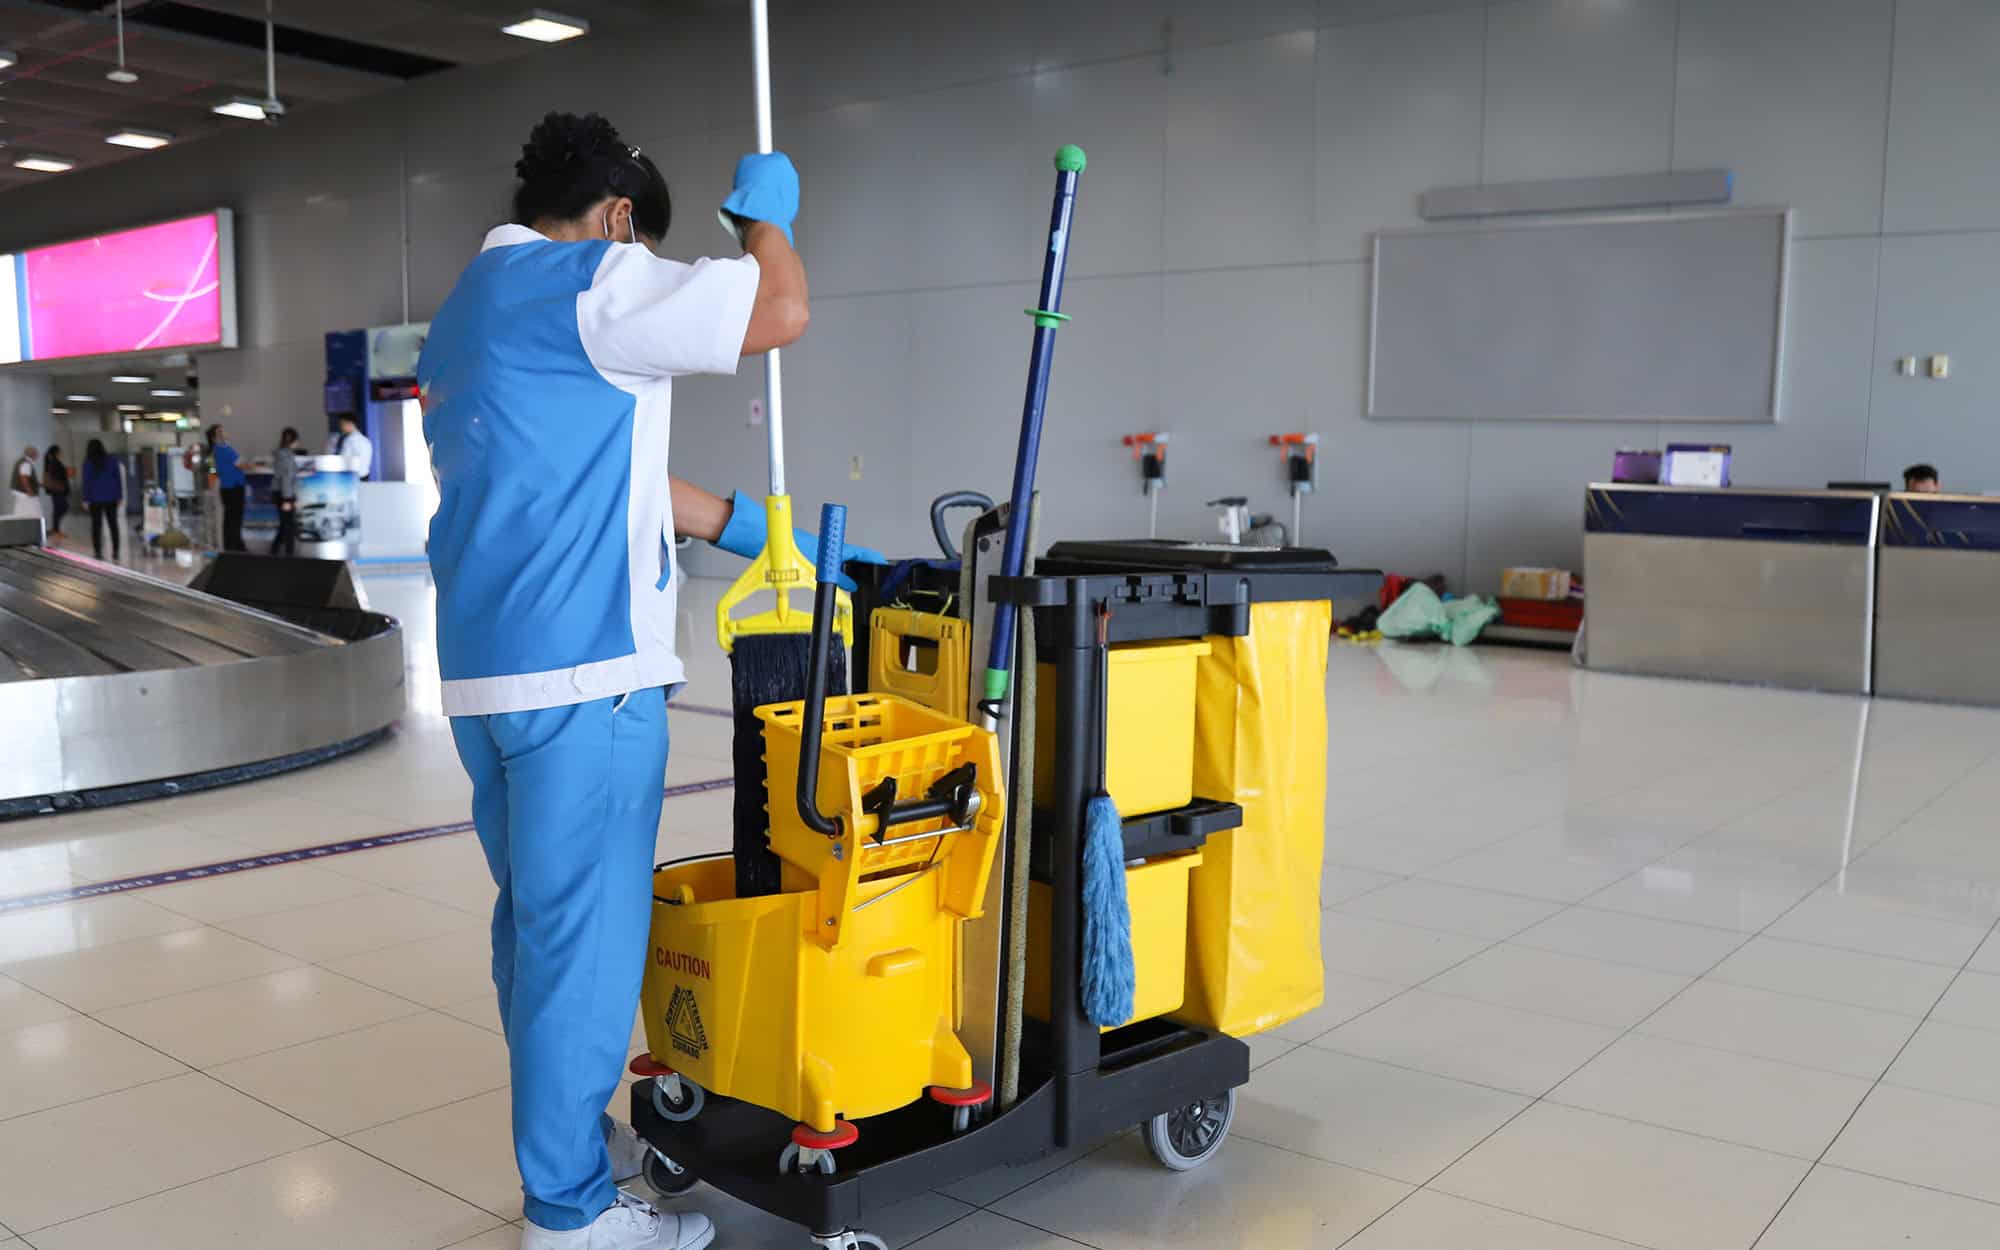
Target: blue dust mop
<point>1109,975</point>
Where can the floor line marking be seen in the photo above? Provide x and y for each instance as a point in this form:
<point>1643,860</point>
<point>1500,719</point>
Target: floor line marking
<point>278,859</point>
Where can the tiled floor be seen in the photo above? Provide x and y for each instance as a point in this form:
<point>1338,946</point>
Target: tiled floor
<point>1610,962</point>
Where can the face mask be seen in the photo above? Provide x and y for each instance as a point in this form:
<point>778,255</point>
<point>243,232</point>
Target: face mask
<point>632,231</point>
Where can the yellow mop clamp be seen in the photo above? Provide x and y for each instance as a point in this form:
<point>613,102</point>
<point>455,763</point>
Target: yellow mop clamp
<point>784,570</point>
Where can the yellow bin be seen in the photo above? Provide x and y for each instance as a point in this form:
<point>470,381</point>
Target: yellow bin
<point>922,656</point>
<point>737,1002</point>
<point>1157,893</point>
<point>1148,725</point>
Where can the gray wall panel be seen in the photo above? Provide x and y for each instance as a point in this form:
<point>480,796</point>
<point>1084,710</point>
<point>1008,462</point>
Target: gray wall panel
<point>1940,293</point>
<point>1512,518</point>
<point>1116,111</point>
<point>1791,94</point>
<point>1578,89</point>
<point>1944,143</point>
<point>1239,130</point>
<point>1398,107</point>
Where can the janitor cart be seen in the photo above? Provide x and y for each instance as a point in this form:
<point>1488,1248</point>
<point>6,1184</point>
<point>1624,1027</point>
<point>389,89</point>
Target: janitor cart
<point>1186,682</point>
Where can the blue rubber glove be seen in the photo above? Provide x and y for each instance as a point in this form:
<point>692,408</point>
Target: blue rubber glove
<point>767,189</point>
<point>745,535</point>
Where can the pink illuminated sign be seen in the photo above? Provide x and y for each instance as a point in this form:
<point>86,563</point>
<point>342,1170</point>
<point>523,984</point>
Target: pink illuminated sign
<point>170,285</point>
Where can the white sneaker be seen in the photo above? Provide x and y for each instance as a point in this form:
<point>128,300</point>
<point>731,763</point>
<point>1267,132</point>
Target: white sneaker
<point>628,1224</point>
<point>628,1153</point>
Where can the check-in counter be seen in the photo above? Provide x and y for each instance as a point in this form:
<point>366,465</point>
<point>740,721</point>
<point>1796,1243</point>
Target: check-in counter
<point>1771,587</point>
<point>1937,606</point>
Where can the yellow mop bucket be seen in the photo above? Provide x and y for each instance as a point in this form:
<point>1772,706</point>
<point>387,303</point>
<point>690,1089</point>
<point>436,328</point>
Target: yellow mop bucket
<point>735,1001</point>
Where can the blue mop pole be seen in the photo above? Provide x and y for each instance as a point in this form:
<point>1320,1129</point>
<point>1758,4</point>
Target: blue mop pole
<point>1048,318</point>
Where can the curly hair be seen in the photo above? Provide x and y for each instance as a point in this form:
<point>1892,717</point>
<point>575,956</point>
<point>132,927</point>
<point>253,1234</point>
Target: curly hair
<point>570,163</point>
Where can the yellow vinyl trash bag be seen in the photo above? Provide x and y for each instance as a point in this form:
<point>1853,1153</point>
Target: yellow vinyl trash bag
<point>1260,742</point>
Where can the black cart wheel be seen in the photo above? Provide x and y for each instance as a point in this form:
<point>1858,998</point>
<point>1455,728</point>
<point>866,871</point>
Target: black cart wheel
<point>668,1179</point>
<point>1187,1137</point>
<point>677,1099</point>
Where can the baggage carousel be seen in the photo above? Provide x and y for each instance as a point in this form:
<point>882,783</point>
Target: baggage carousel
<point>116,686</point>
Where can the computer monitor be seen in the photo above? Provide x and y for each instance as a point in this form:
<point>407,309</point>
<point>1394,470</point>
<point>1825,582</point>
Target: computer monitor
<point>1874,486</point>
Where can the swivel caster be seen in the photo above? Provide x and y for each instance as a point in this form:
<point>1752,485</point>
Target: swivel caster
<point>969,1106</point>
<point>852,1239</point>
<point>676,1098</point>
<point>1187,1137</point>
<point>668,1179</point>
<point>812,1150</point>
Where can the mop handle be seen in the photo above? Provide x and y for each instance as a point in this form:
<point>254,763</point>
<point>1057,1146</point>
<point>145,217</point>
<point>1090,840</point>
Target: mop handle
<point>1048,317</point>
<point>774,387</point>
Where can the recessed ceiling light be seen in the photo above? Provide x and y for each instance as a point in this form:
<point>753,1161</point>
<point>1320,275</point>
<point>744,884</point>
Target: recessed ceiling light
<point>131,407</point>
<point>168,393</point>
<point>244,107</point>
<point>58,412</point>
<point>44,164</point>
<point>81,399</point>
<point>137,379</point>
<point>543,26</point>
<point>144,140</point>
<point>122,76</point>
<point>9,60</point>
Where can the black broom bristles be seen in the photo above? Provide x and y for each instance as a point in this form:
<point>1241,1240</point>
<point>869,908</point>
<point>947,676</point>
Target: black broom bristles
<point>766,668</point>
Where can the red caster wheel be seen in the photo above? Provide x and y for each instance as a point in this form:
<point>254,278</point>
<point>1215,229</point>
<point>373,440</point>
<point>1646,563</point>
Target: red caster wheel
<point>674,1096</point>
<point>968,1106</point>
<point>812,1149</point>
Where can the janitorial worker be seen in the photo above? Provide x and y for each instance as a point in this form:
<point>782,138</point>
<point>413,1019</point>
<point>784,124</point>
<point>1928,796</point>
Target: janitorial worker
<point>548,384</point>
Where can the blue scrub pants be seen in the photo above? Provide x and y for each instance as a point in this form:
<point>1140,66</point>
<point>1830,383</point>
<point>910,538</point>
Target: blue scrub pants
<point>567,804</point>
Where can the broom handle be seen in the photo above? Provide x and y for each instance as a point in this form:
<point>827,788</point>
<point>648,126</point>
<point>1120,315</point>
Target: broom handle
<point>774,387</point>
<point>1048,317</point>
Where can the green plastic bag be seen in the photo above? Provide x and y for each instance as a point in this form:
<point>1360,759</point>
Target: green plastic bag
<point>1419,613</point>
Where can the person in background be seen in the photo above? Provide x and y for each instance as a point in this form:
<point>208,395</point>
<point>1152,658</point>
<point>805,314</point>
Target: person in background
<point>103,491</point>
<point>285,491</point>
<point>353,444</point>
<point>55,481</point>
<point>27,485</point>
<point>229,483</point>
<point>1922,479</point>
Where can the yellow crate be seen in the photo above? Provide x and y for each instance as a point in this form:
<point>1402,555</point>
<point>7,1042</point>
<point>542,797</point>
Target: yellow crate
<point>1148,726</point>
<point>867,738</point>
<point>1157,894</point>
<point>734,1000</point>
<point>941,647</point>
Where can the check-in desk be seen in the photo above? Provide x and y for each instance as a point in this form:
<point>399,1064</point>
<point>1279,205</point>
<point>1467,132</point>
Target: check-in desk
<point>1772,587</point>
<point>1937,604</point>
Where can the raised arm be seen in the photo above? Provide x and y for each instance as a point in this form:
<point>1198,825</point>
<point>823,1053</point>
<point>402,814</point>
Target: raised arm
<point>780,314</point>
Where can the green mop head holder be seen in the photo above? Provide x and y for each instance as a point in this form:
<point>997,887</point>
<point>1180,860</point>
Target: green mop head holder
<point>1070,158</point>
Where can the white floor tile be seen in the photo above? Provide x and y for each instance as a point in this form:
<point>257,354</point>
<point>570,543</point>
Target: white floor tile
<point>324,1197</point>
<point>503,1237</point>
<point>1264,1047</point>
<point>433,971</point>
<point>1453,908</point>
<point>1641,941</point>
<point>1877,981</point>
<point>739,1224</point>
<point>1618,1178</point>
<point>1700,886</point>
<point>1951,1059</point>
<point>256,892</point>
<point>47,1065</point>
<point>1589,990</point>
<point>1858,924</point>
<point>145,968</point>
<point>1390,952</point>
<point>1716,1093</point>
<point>464,1148</point>
<point>1390,1121</point>
<point>1840,1210</point>
<point>1469,1040</point>
<point>1925,1139</point>
<point>65,1162</point>
<point>1430,1220</point>
<point>60,928</point>
<point>983,1230</point>
<point>1121,1199</point>
<point>1556,878</point>
<point>481,1009</point>
<point>327,931</point>
<point>1987,958</point>
<point>1810,1032</point>
<point>1340,882</point>
<point>1973,999</point>
<point>1347,996</point>
<point>21,1006</point>
<point>249,1017</point>
<point>352,1081</point>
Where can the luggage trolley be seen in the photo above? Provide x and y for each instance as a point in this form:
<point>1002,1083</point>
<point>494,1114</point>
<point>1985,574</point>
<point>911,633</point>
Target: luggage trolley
<point>889,1108</point>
